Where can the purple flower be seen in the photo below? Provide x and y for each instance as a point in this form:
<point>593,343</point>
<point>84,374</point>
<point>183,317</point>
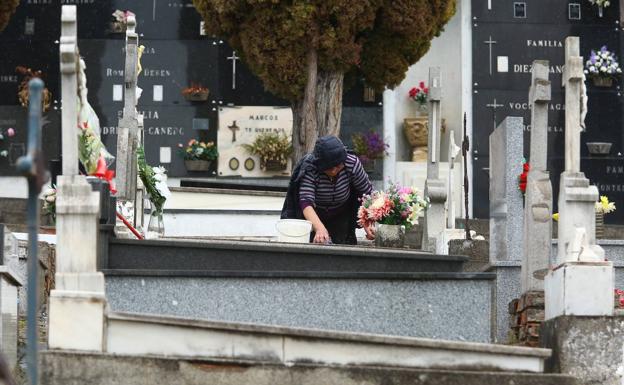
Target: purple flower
<point>603,49</point>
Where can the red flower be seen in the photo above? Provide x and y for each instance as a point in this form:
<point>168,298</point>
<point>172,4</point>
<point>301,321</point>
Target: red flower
<point>421,84</point>
<point>526,167</point>
<point>621,301</point>
<point>426,90</point>
<point>522,180</point>
<point>413,92</point>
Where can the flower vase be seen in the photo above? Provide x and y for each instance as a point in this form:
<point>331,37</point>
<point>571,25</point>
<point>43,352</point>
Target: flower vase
<point>422,110</point>
<point>599,225</point>
<point>600,11</point>
<point>601,81</point>
<point>155,226</point>
<point>390,236</point>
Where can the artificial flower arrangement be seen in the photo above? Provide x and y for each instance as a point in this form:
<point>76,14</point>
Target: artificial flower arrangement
<point>91,151</point>
<point>155,181</point>
<point>420,94</point>
<point>195,92</point>
<point>396,205</point>
<point>196,150</point>
<point>602,64</point>
<point>271,148</point>
<point>600,4</point>
<point>369,146</point>
<point>522,179</point>
<point>22,88</point>
<point>619,298</point>
<point>49,202</point>
<point>603,206</point>
<point>121,20</point>
<point>10,132</point>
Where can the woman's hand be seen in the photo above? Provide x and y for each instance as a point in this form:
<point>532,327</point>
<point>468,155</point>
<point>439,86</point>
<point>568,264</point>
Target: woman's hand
<point>370,232</point>
<point>321,235</point>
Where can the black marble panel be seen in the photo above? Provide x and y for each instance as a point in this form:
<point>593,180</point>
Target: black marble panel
<point>542,11</point>
<point>15,117</point>
<point>524,43</point>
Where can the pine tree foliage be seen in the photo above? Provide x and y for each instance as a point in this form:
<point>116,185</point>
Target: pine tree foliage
<point>7,8</point>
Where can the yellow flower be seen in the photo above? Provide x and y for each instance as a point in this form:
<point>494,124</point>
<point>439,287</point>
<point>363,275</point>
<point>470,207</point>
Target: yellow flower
<point>555,217</point>
<point>604,206</point>
<point>202,144</point>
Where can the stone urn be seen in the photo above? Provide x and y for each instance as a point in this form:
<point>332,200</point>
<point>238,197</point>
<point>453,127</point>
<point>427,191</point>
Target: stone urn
<point>390,236</point>
<point>416,132</point>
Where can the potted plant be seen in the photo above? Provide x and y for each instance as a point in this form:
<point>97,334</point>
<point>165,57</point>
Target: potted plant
<point>369,146</point>
<point>393,211</point>
<point>602,67</point>
<point>601,5</point>
<point>196,93</point>
<point>420,95</point>
<point>603,206</point>
<point>121,21</point>
<point>198,156</point>
<point>273,149</point>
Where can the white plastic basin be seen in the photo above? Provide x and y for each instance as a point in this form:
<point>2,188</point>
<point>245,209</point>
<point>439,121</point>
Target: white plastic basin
<point>293,230</point>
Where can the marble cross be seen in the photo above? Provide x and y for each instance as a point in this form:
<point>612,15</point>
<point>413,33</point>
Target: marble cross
<point>233,58</point>
<point>494,106</point>
<point>490,42</point>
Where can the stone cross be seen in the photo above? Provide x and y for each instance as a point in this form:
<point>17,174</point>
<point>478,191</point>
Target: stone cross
<point>69,84</point>
<point>453,151</point>
<point>79,286</point>
<point>233,58</point>
<point>505,197</point>
<point>234,128</point>
<point>538,197</point>
<point>581,282</point>
<point>127,132</point>
<point>435,190</point>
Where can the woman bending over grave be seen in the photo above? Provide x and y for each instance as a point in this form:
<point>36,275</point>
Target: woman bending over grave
<point>325,189</point>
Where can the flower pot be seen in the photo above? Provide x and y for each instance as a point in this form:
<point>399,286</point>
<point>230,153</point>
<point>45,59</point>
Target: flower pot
<point>600,81</point>
<point>199,96</point>
<point>600,11</point>
<point>117,27</point>
<point>390,236</point>
<point>599,148</point>
<point>197,165</point>
<point>599,225</point>
<point>274,165</point>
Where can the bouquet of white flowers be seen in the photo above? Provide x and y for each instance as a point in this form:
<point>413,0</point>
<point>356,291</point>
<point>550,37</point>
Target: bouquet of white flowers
<point>155,181</point>
<point>602,63</point>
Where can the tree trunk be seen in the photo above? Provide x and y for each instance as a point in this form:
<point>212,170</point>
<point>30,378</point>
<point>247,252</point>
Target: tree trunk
<point>327,108</point>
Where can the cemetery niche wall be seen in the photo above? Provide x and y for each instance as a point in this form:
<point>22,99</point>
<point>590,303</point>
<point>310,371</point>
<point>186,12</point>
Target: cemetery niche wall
<point>507,37</point>
<point>177,56</point>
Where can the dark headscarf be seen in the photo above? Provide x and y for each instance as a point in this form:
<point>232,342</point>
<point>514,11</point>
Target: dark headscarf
<point>329,151</point>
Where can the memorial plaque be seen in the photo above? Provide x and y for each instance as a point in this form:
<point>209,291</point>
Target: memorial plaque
<point>241,125</point>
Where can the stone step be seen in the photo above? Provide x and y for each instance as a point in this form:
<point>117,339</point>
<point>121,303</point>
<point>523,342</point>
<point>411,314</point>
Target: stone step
<point>140,335</point>
<point>67,368</point>
<point>173,256</point>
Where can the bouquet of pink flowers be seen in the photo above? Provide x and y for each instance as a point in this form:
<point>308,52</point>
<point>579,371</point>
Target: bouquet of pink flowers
<point>395,206</point>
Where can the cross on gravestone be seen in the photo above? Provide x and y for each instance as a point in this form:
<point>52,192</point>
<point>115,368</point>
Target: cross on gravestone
<point>69,84</point>
<point>537,242</point>
<point>489,42</point>
<point>233,58</point>
<point>505,198</point>
<point>78,284</point>
<point>494,106</point>
<point>435,191</point>
<point>234,128</point>
<point>453,151</point>
<point>127,133</point>
<point>581,282</point>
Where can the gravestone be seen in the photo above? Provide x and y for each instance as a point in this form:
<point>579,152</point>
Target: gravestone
<point>581,282</point>
<point>505,197</point>
<point>538,200</point>
<point>127,131</point>
<point>435,191</point>
<point>78,303</point>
